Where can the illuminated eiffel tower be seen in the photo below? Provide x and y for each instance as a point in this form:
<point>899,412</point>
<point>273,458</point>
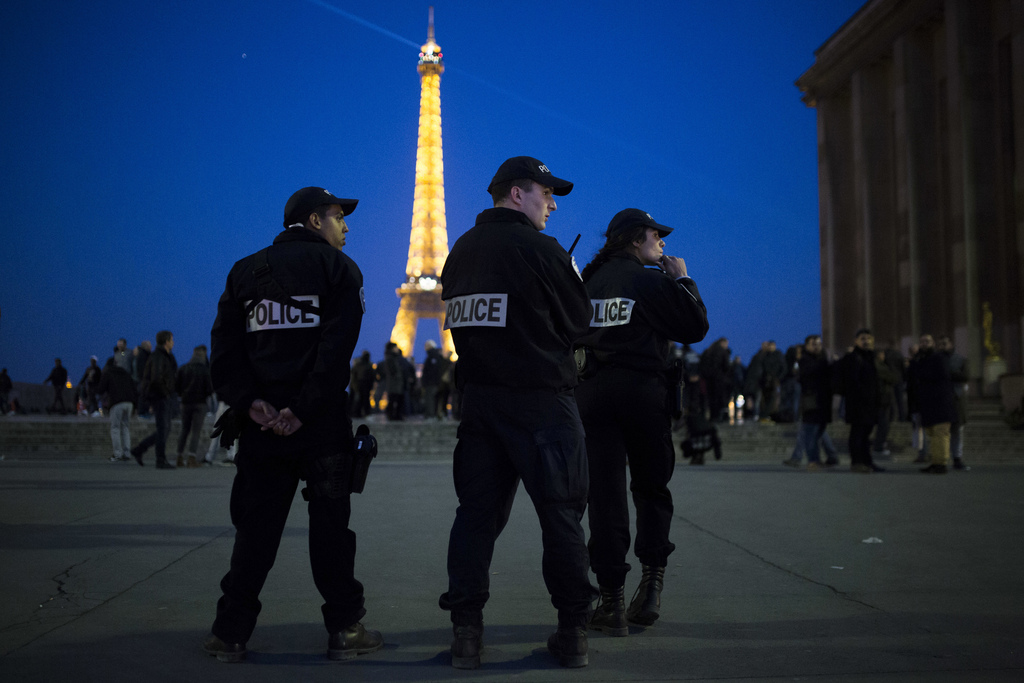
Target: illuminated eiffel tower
<point>420,294</point>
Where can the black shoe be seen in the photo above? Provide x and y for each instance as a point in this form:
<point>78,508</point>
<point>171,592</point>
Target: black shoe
<point>353,641</point>
<point>610,614</point>
<point>831,462</point>
<point>958,464</point>
<point>138,456</point>
<point>224,652</point>
<point>934,469</point>
<point>791,462</point>
<point>876,468</point>
<point>160,464</point>
<point>921,457</point>
<point>569,646</point>
<point>467,641</point>
<point>646,603</point>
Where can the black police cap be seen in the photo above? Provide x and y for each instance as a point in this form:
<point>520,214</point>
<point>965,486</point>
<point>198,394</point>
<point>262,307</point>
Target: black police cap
<point>630,218</point>
<point>518,168</point>
<point>306,200</point>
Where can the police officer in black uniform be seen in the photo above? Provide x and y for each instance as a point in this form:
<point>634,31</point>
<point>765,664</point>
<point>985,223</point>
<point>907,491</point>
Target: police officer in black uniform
<point>515,304</point>
<point>636,313</point>
<point>286,327</point>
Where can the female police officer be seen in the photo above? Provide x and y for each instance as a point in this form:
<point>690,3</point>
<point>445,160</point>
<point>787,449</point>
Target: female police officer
<point>637,312</point>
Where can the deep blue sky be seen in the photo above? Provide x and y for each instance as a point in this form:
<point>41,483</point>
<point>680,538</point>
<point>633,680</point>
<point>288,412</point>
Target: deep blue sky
<point>147,146</point>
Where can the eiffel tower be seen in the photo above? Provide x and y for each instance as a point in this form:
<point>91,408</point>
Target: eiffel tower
<point>420,294</point>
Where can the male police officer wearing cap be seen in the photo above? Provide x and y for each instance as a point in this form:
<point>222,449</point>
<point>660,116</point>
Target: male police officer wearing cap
<point>515,304</point>
<point>286,327</point>
<point>636,312</point>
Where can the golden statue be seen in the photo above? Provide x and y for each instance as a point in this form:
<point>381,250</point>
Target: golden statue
<point>991,347</point>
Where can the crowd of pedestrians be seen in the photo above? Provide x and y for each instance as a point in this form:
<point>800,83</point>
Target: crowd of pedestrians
<point>868,388</point>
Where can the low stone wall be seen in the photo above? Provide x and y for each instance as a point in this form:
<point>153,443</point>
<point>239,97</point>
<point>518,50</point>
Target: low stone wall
<point>986,440</point>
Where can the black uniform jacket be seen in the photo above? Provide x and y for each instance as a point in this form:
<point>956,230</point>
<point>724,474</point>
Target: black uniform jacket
<point>636,311</point>
<point>514,304</point>
<point>288,357</point>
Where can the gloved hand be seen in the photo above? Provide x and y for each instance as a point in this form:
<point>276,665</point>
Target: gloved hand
<point>228,426</point>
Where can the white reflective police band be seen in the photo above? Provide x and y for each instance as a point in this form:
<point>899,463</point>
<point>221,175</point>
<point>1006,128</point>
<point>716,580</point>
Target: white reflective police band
<point>271,315</point>
<point>611,312</point>
<point>476,310</point>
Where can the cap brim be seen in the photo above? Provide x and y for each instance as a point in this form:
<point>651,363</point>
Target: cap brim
<point>347,205</point>
<point>663,230</point>
<point>558,186</point>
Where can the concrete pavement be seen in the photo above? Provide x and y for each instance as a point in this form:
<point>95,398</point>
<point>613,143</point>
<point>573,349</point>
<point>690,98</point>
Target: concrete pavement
<point>110,573</point>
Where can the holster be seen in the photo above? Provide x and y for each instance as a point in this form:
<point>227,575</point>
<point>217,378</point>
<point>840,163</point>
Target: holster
<point>365,450</point>
<point>339,474</point>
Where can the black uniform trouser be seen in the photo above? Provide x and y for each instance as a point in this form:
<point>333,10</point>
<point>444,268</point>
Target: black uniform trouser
<point>626,420</point>
<point>506,436</point>
<point>269,470</point>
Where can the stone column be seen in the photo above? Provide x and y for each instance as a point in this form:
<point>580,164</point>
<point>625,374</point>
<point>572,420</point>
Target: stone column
<point>842,309</point>
<point>969,65</point>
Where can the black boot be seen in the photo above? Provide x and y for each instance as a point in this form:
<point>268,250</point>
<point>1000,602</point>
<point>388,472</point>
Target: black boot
<point>646,602</point>
<point>610,614</point>
<point>569,646</point>
<point>467,641</point>
<point>353,641</point>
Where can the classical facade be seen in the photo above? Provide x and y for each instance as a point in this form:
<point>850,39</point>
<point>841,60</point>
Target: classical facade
<point>920,109</point>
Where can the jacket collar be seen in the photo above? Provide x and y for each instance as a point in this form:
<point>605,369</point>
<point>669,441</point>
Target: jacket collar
<point>299,235</point>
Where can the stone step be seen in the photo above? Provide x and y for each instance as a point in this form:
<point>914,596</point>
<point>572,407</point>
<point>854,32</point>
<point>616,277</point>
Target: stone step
<point>416,439</point>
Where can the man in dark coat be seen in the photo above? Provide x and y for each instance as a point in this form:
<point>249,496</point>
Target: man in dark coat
<point>119,389</point>
<point>715,369</point>
<point>58,377</point>
<point>931,383</point>
<point>193,385</point>
<point>434,366</point>
<point>856,378</point>
<point>158,386</point>
<point>814,375</point>
<point>361,385</point>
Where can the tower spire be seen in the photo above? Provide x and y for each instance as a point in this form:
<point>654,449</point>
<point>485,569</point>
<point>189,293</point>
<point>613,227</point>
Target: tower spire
<point>420,293</point>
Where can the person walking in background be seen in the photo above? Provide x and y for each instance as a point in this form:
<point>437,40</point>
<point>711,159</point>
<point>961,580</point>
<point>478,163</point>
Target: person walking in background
<point>715,370</point>
<point>737,380</point>
<point>88,385</point>
<point>897,363</point>
<point>158,388</point>
<point>119,389</point>
<point>931,385</point>
<point>856,379</point>
<point>430,378</point>
<point>638,310</point>
<point>815,377</point>
<point>140,356</point>
<point>773,371</point>
<point>361,385</point>
<point>887,380</point>
<point>193,386</point>
<point>395,379</point>
<point>959,374</point>
<point>58,377</point>
<point>5,392</point>
<point>122,356</point>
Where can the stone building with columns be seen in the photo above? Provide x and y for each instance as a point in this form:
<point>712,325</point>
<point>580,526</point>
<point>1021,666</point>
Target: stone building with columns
<point>920,118</point>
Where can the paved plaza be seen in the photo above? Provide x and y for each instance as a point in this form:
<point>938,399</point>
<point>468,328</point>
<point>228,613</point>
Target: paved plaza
<point>110,573</point>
